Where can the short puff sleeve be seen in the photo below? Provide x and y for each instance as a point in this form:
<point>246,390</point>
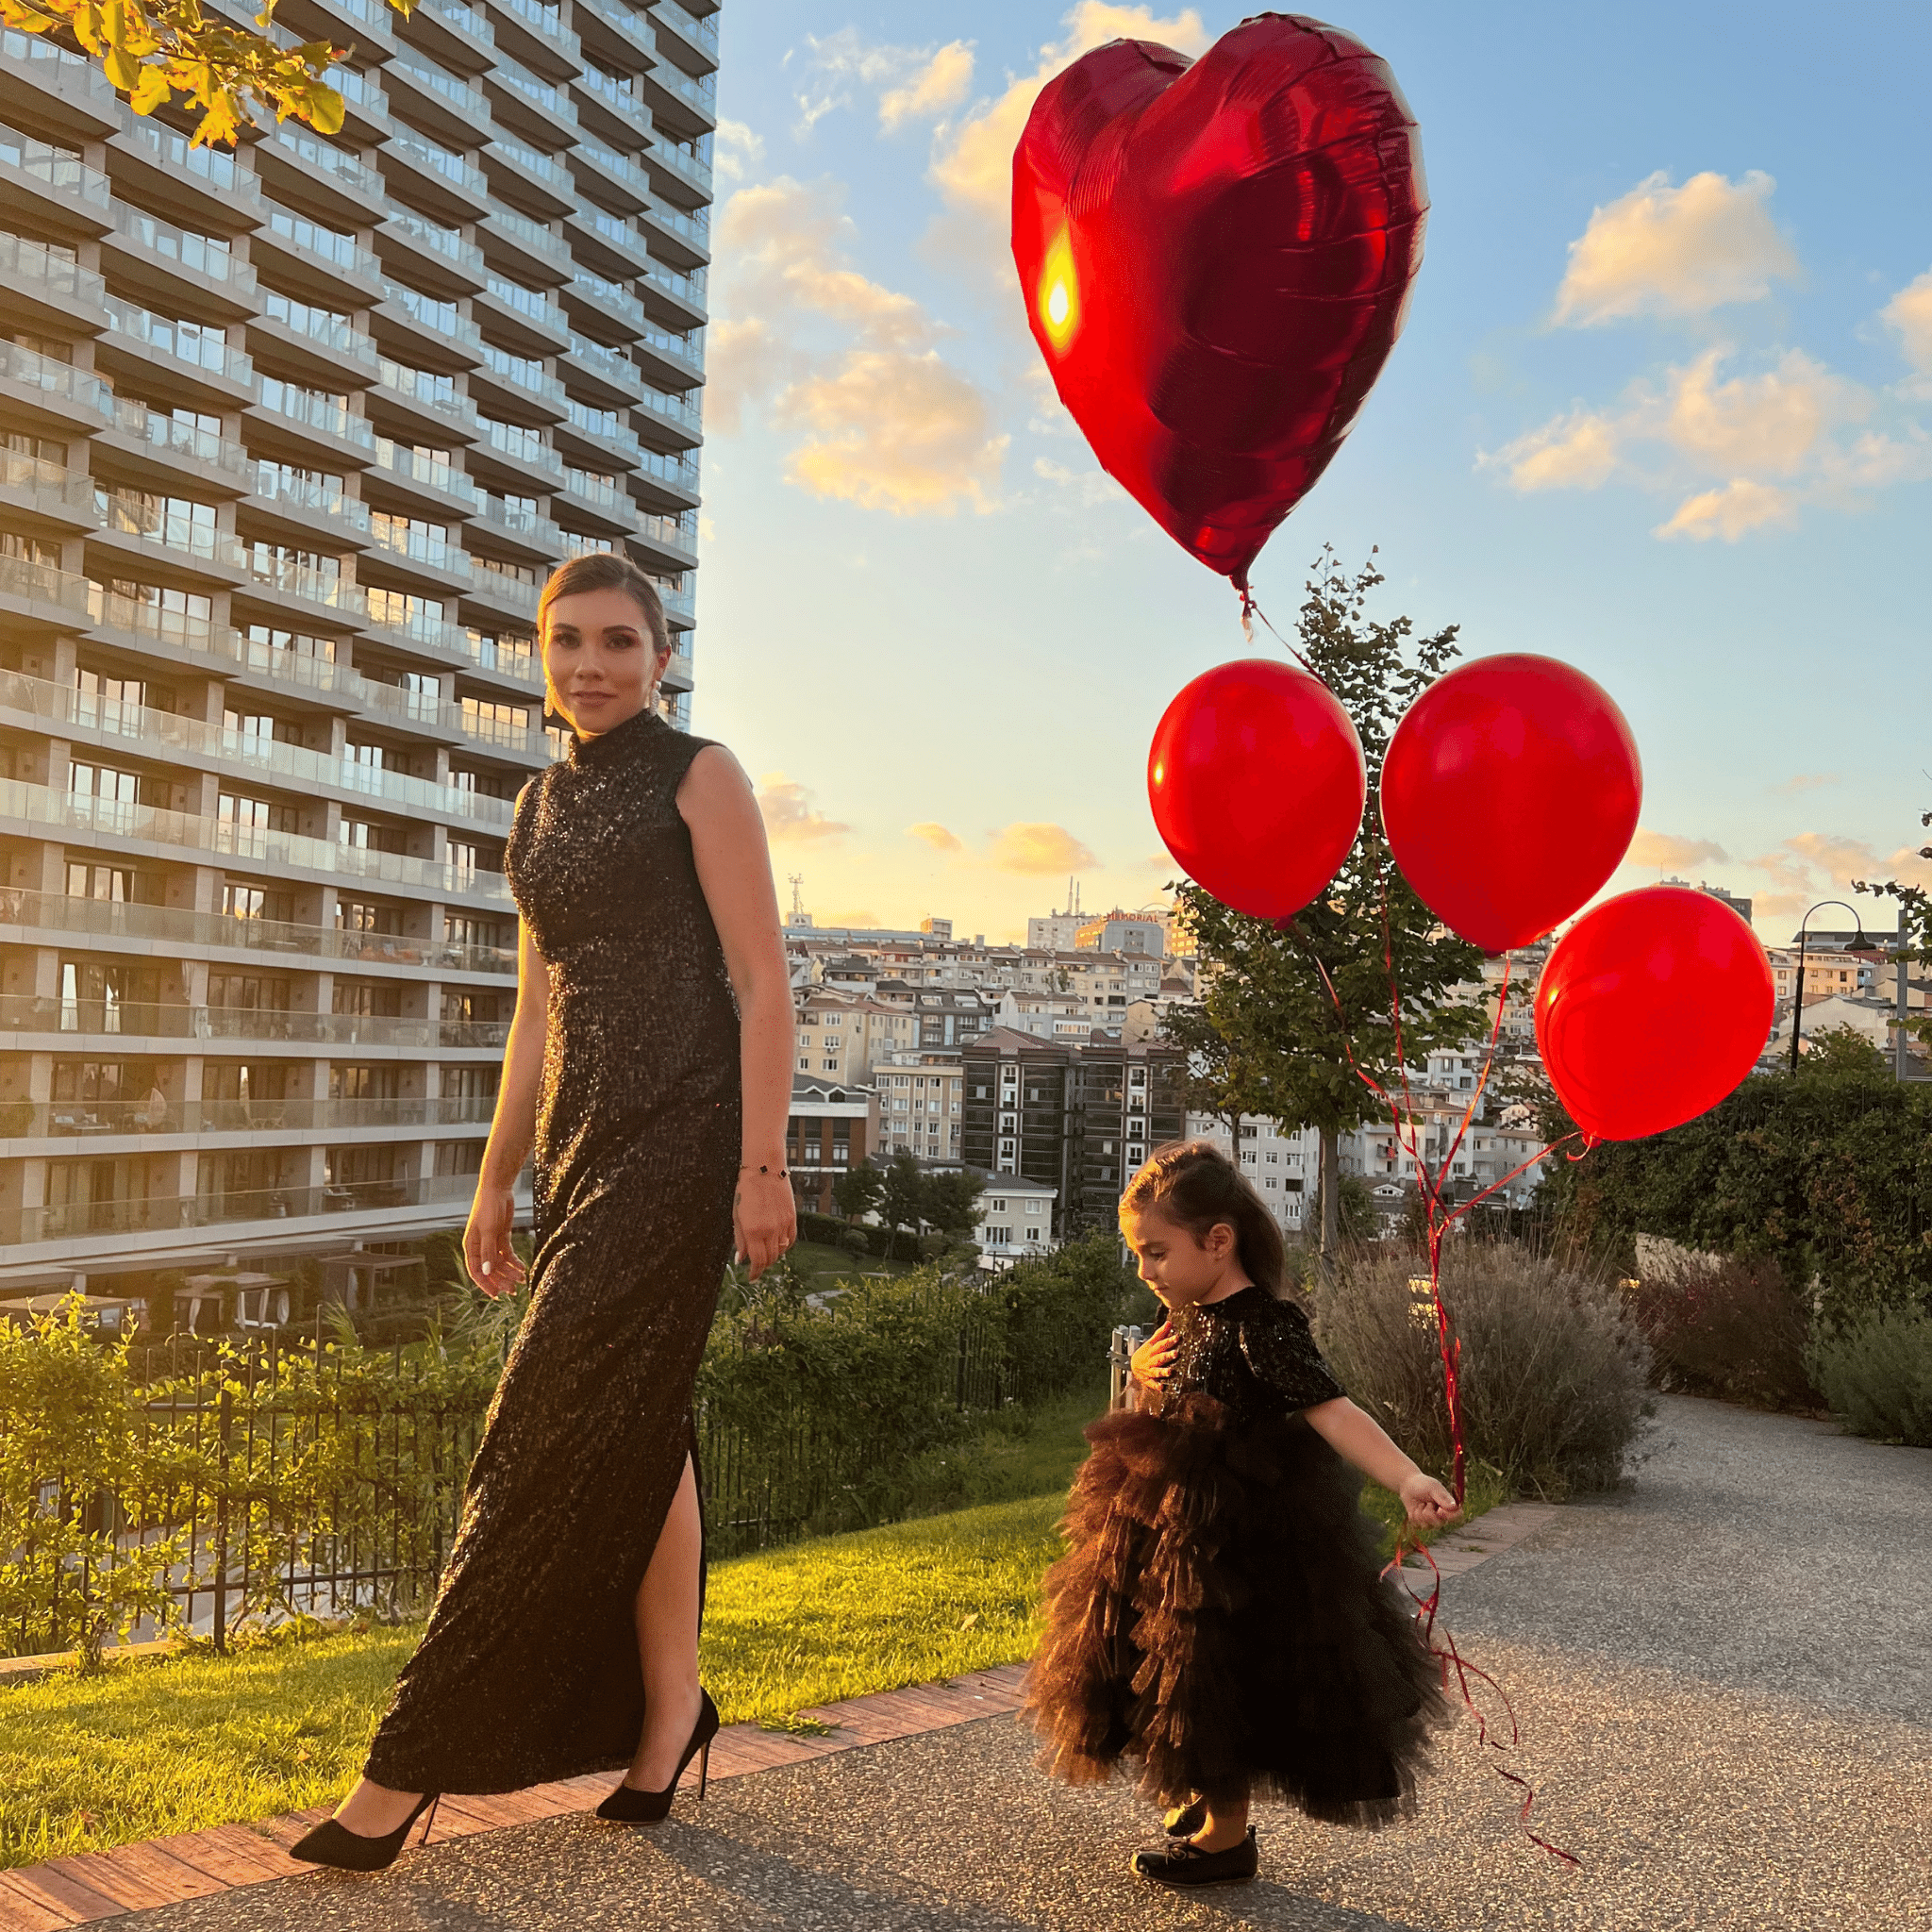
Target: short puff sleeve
<point>1281,1348</point>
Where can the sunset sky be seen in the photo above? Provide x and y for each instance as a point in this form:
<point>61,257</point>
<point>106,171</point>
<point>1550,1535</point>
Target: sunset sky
<point>1663,408</point>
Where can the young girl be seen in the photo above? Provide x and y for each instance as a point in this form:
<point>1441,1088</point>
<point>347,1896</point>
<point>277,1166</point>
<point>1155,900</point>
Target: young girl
<point>1219,1615</point>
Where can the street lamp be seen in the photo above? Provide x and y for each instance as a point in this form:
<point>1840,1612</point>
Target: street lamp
<point>1798,998</point>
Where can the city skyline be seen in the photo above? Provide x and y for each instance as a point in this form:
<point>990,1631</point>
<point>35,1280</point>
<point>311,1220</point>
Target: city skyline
<point>1659,409</point>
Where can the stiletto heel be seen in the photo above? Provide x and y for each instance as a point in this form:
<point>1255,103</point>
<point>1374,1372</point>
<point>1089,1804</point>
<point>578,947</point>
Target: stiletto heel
<point>331,1843</point>
<point>704,1770</point>
<point>626,1805</point>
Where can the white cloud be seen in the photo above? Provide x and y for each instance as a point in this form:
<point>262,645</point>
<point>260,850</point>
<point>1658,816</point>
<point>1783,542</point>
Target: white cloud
<point>1661,250</point>
<point>938,836</point>
<point>888,424</point>
<point>735,149</point>
<point>1574,452</point>
<point>1666,852</point>
<point>1909,312</point>
<point>790,815</point>
<point>941,85</point>
<point>973,164</point>
<point>1766,424</point>
<point>1741,506</point>
<point>1040,850</point>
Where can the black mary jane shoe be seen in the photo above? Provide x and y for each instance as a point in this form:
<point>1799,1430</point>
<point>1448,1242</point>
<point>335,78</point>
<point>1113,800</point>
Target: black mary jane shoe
<point>335,1844</point>
<point>626,1805</point>
<point>1188,1820</point>
<point>1182,1862</point>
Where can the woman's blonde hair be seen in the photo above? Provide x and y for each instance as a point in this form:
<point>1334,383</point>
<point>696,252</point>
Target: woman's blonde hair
<point>605,570</point>
<point>1196,1186</point>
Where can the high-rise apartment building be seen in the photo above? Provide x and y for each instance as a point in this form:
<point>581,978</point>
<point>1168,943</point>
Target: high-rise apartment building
<point>289,437</point>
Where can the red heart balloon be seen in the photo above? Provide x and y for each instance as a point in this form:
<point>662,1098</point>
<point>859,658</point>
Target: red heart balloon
<point>1652,1008</point>
<point>1257,781</point>
<point>1510,794</point>
<point>1216,259</point>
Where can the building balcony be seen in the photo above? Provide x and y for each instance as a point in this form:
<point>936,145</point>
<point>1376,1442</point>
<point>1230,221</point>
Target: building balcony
<point>366,24</point>
<point>288,510</point>
<point>516,247</point>
<point>606,378</point>
<point>537,36</point>
<point>514,457</point>
<point>677,669</point>
<point>682,177</point>
<point>526,318</point>
<point>528,105</point>
<point>304,590</point>
<point>459,38</point>
<point>694,40</point>
<point>48,497</point>
<point>505,658</point>
<point>180,359</point>
<point>55,188</point>
<point>439,103</point>
<point>674,299</point>
<point>425,484</point>
<point>598,439</point>
<point>436,259</point>
<point>62,1021</point>
<point>307,426</point>
<point>310,346</point>
<point>317,264</point>
<point>413,406</point>
<point>665,482</point>
<point>365,107</point>
<point>46,290</point>
<point>176,269</point>
<point>666,542</point>
<point>174,928</point>
<point>46,83</point>
<point>137,535</point>
<point>39,595</point>
<point>606,311</point>
<point>607,244</point>
<point>419,560</point>
<point>685,105</point>
<point>611,111</point>
<point>125,1126</point>
<point>671,421</point>
<point>672,360</point>
<point>416,328</point>
<point>602,508</point>
<point>493,595</point>
<point>682,240</point>
<point>436,179</point>
<point>53,398</point>
<point>513,385</point>
<point>201,185</point>
<point>301,167</point>
<point>530,178</point>
<point>611,179</point>
<point>172,455</point>
<point>420,635</point>
<point>615,28</point>
<point>291,853</point>
<point>524,533</point>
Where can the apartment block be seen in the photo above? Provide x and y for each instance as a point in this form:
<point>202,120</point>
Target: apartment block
<point>289,437</point>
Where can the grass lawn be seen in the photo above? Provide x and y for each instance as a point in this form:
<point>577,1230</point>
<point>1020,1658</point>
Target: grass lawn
<point>822,1265</point>
<point>174,1744</point>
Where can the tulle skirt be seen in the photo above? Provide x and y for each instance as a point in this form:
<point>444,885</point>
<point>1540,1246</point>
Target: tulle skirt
<point>1219,1620</point>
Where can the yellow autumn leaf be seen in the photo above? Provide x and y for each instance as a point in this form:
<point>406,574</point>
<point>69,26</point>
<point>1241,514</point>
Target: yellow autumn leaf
<point>219,123</point>
<point>87,28</point>
<point>24,19</point>
<point>325,109</point>
<point>153,92</point>
<point>123,69</point>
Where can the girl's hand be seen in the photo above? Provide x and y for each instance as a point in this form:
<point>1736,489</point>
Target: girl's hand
<point>486,1252</point>
<point>1153,1361</point>
<point>1430,1505</point>
<point>764,1220</point>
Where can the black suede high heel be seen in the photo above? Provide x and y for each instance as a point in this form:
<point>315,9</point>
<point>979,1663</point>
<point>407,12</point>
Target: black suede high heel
<point>335,1844</point>
<point>626,1805</point>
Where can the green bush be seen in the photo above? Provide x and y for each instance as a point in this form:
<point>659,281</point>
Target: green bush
<point>1552,1372</point>
<point>1876,1376</point>
<point>1725,1325</point>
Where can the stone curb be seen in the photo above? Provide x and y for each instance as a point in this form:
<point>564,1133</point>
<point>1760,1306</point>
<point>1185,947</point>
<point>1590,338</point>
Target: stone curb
<point>130,1878</point>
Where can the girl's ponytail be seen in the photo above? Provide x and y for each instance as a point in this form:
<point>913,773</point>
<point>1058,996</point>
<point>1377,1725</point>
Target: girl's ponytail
<point>1194,1184</point>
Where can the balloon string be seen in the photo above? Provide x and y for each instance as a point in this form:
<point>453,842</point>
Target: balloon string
<point>1438,1219</point>
<point>1250,610</point>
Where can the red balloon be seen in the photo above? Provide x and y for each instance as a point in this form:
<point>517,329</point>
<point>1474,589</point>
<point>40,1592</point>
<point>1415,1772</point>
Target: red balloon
<point>1216,259</point>
<point>1510,794</point>
<point>1257,781</point>
<point>1652,1008</point>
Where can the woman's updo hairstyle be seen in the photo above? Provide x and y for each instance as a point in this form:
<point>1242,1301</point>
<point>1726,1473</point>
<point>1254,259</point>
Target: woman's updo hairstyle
<point>1195,1185</point>
<point>605,570</point>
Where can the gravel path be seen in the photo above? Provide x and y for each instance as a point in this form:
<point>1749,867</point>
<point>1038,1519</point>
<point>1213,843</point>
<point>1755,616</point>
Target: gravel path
<point>1723,1678</point>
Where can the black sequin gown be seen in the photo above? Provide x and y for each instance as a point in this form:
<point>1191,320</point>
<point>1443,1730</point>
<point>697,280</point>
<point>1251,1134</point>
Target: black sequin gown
<point>1219,1618</point>
<point>528,1670</point>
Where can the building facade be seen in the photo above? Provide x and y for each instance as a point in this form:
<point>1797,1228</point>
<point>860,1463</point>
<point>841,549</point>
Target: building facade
<point>291,435</point>
<point>1016,1221</point>
<point>832,1129</point>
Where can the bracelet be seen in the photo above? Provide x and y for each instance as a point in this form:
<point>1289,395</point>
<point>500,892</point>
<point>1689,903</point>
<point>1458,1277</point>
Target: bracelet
<point>783,1173</point>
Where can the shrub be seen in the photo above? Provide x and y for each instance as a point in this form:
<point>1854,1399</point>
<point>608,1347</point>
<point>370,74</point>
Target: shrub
<point>1552,1372</point>
<point>1725,1325</point>
<point>1876,1376</point>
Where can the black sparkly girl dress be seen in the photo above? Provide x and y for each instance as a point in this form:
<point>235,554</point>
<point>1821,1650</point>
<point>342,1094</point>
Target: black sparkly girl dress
<point>528,1670</point>
<point>1219,1618</point>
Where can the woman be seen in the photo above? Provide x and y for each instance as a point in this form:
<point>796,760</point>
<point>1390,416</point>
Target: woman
<point>650,1063</point>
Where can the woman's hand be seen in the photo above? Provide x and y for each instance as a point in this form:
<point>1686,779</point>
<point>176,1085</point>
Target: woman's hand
<point>486,1252</point>
<point>1430,1505</point>
<point>764,1219</point>
<point>1153,1361</point>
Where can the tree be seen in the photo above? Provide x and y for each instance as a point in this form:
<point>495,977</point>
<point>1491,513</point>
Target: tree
<point>1840,1050</point>
<point>1914,924</point>
<point>902,1193</point>
<point>1266,1037</point>
<point>856,1192</point>
<point>153,50</point>
<point>951,1201</point>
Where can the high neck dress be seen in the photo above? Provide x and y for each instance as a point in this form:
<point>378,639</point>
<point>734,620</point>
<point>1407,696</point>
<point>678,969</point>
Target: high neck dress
<point>1219,1619</point>
<point>528,1670</point>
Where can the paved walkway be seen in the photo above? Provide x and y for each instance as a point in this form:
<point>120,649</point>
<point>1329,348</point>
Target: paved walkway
<point>1725,1678</point>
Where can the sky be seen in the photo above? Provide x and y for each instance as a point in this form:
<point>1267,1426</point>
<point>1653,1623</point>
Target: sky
<point>1662,408</point>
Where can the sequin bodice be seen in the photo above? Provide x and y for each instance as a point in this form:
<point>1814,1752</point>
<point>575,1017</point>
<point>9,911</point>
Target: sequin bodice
<point>1253,1354</point>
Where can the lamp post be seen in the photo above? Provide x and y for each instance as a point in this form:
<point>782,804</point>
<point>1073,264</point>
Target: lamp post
<point>1798,997</point>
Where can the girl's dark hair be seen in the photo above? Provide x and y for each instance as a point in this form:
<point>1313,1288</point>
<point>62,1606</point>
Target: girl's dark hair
<point>1196,1186</point>
<point>605,570</point>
